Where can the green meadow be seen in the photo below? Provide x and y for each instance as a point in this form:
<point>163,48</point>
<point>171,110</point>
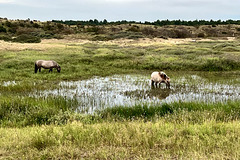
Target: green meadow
<point>35,127</point>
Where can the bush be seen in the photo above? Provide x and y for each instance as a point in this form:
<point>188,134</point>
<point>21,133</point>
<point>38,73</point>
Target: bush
<point>101,38</point>
<point>93,29</point>
<point>24,38</point>
<point>149,31</point>
<point>5,37</point>
<point>183,33</point>
<point>2,29</point>
<point>201,35</point>
<point>134,29</point>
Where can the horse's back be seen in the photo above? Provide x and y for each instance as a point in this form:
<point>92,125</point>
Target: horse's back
<point>46,64</point>
<point>155,77</point>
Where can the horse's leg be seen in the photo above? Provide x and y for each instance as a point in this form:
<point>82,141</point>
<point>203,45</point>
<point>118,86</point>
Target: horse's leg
<point>167,85</point>
<point>152,82</point>
<point>36,68</point>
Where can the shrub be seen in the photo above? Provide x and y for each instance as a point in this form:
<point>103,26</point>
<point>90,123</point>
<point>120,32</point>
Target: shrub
<point>148,31</point>
<point>93,29</point>
<point>135,36</point>
<point>32,31</point>
<point>24,38</point>
<point>2,29</point>
<point>5,37</point>
<point>201,35</point>
<point>134,29</point>
<point>101,38</point>
<point>183,33</point>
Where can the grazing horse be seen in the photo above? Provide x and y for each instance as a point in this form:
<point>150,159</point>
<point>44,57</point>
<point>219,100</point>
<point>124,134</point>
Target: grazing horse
<point>160,77</point>
<point>46,65</point>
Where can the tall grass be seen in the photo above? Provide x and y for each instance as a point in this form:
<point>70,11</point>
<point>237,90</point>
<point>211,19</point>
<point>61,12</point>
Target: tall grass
<point>123,140</point>
<point>24,111</point>
<point>192,112</point>
<point>20,112</point>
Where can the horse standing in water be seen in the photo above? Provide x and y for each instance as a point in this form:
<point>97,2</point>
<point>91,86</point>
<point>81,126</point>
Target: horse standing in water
<point>160,77</point>
<point>46,65</point>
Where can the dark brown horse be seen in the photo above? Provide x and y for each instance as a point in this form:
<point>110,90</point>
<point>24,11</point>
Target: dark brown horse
<point>46,65</point>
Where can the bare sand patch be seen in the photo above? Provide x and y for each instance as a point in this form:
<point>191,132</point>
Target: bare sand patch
<point>23,46</point>
<point>62,43</point>
<point>158,41</point>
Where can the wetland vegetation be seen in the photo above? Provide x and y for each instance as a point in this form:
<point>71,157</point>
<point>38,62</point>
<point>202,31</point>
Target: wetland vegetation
<point>101,105</point>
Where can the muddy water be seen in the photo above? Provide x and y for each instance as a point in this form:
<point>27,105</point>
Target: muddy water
<point>127,90</point>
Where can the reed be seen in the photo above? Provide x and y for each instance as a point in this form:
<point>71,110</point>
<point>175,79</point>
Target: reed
<point>20,112</point>
<point>28,111</point>
<point>194,112</point>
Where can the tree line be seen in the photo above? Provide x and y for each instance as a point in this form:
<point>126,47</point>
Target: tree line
<point>158,22</point>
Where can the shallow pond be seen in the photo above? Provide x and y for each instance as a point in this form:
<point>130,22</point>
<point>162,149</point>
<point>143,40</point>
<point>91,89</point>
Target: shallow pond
<point>127,90</point>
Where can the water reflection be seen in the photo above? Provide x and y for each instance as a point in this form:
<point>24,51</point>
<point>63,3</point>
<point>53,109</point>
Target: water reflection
<point>153,92</point>
<point>128,90</point>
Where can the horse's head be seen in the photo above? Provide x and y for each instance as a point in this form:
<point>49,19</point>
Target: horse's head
<point>165,78</point>
<point>163,75</point>
<point>58,69</point>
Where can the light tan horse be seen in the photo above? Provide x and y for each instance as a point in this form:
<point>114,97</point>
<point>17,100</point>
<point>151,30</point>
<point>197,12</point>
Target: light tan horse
<point>160,77</point>
<point>46,65</point>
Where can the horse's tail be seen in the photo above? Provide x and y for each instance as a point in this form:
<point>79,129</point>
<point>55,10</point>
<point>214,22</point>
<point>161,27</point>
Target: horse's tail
<point>36,68</point>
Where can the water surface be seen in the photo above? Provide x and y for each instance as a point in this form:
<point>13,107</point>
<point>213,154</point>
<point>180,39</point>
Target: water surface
<point>127,90</point>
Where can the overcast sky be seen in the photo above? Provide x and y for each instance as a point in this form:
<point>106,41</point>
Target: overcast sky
<point>114,10</point>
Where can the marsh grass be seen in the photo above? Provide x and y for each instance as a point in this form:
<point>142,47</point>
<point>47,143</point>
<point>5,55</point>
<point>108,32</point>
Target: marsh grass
<point>194,112</point>
<point>19,112</point>
<point>84,60</point>
<point>49,128</point>
<point>24,111</point>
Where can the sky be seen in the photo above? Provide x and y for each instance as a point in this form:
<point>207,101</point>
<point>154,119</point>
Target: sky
<point>115,10</point>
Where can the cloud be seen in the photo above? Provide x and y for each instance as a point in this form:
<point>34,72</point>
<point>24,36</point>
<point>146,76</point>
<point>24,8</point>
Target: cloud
<point>6,1</point>
<point>112,10</point>
<point>125,1</point>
